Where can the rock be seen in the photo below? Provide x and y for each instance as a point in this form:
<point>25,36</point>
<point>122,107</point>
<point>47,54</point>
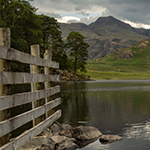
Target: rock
<point>46,147</point>
<point>85,135</point>
<point>35,143</point>
<point>66,133</point>
<point>143,44</point>
<point>57,138</point>
<point>127,53</point>
<point>105,139</point>
<point>54,129</point>
<point>63,142</point>
<point>146,42</point>
<point>66,76</point>
<point>67,145</point>
<point>66,126</point>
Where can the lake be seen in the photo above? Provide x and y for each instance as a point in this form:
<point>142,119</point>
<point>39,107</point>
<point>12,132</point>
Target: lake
<point>120,107</point>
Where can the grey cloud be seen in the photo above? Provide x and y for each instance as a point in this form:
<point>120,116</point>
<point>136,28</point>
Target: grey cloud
<point>132,10</point>
<point>85,20</point>
<point>89,19</point>
<point>72,21</point>
<point>83,13</point>
<point>54,15</point>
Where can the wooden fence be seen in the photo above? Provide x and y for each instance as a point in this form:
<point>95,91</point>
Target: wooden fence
<point>9,124</point>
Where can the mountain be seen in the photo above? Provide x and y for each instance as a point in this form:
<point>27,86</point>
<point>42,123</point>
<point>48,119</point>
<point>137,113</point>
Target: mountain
<point>127,60</point>
<point>106,34</point>
<point>139,51</point>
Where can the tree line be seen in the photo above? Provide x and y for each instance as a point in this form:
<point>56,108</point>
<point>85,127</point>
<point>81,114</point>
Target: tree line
<point>28,28</point>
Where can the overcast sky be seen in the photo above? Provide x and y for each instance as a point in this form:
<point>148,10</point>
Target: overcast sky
<point>135,12</point>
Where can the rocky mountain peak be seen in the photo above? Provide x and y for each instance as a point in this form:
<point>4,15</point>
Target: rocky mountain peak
<point>106,34</point>
<point>109,21</point>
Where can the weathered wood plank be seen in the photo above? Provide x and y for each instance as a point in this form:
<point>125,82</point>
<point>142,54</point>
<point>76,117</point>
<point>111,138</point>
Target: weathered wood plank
<point>35,51</point>
<point>18,78</point>
<point>28,135</point>
<point>47,71</point>
<point>15,55</point>
<point>24,98</point>
<point>17,121</point>
<point>4,66</point>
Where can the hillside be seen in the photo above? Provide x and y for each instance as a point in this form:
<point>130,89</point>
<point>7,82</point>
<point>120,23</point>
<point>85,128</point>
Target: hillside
<point>106,34</point>
<point>124,63</point>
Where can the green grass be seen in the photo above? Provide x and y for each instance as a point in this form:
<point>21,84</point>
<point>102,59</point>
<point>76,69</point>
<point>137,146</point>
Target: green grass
<point>113,67</point>
<point>102,75</point>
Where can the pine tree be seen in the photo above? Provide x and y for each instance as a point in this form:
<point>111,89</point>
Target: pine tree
<point>78,50</point>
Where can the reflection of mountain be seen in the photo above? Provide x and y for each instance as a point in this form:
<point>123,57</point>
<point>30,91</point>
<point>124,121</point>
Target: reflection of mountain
<point>111,110</point>
<point>104,106</point>
<point>139,130</point>
<point>75,106</point>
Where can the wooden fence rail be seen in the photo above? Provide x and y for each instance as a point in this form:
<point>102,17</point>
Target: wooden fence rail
<point>23,98</point>
<point>28,135</point>
<point>18,78</point>
<point>15,55</point>
<point>7,125</point>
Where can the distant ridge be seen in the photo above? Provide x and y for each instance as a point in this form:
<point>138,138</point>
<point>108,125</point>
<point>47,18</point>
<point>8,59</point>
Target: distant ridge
<point>110,20</point>
<point>106,34</point>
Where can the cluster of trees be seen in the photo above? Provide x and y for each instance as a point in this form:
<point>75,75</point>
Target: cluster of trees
<point>28,28</point>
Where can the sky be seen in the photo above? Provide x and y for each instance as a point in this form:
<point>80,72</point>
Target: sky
<point>133,12</point>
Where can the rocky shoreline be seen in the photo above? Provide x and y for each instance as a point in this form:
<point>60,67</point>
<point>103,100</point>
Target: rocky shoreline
<point>67,76</point>
<point>65,137</point>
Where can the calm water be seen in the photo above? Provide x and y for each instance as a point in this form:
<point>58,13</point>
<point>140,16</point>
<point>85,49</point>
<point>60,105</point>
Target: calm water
<point>114,107</point>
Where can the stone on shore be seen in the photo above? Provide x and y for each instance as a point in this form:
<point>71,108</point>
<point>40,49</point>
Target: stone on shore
<point>66,126</point>
<point>85,135</point>
<point>63,142</point>
<point>37,142</point>
<point>54,129</point>
<point>67,76</point>
<point>106,139</point>
<point>61,137</point>
<point>66,133</point>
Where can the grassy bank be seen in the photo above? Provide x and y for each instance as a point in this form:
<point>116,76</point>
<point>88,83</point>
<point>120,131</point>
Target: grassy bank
<point>103,75</point>
<point>120,64</point>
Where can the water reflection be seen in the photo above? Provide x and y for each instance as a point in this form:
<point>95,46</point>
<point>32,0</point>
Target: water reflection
<point>75,108</point>
<point>138,130</point>
<point>114,107</point>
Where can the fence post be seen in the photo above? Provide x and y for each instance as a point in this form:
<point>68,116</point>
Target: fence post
<point>47,56</point>
<point>4,66</point>
<point>35,51</point>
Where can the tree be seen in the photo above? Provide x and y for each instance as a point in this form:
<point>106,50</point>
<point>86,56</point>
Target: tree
<point>51,38</point>
<point>78,50</point>
<point>28,28</point>
<point>20,16</point>
<point>12,10</point>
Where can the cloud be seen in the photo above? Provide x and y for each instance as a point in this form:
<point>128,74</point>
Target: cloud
<point>136,11</point>
<point>88,20</point>
<point>71,19</point>
<point>54,15</point>
<point>83,13</point>
<point>68,19</point>
<point>137,25</point>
